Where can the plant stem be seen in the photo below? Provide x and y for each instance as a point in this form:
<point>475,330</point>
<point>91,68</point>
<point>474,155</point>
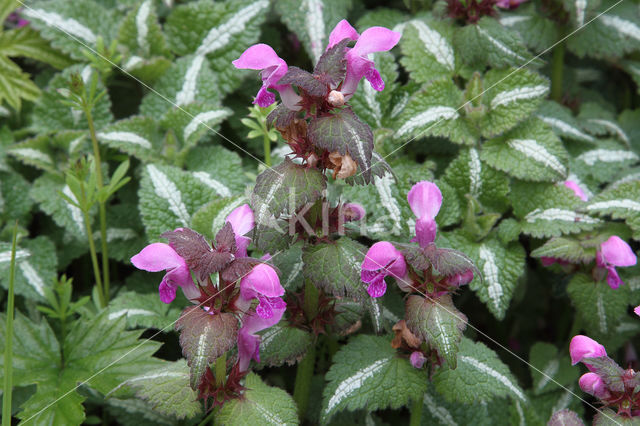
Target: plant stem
<point>304,374</point>
<point>557,70</point>
<point>267,150</point>
<point>94,257</point>
<point>8,344</point>
<point>103,209</point>
<point>221,370</point>
<point>416,412</point>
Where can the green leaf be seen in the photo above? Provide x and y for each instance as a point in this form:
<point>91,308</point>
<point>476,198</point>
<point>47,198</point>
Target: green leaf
<point>562,122</point>
<point>50,115</point>
<point>205,337</point>
<point>147,70</point>
<point>290,264</point>
<point>511,95</point>
<point>599,306</point>
<point>469,176</point>
<point>261,404</point>
<point>137,136</point>
<point>568,249</point>
<point>610,35</point>
<point>335,267</point>
<point>537,31</point>
<point>28,43</point>
<point>605,161</point>
<point>143,310</point>
<point>367,373</point>
<point>194,122</point>
<point>608,417</point>
<point>281,344</point>
<point>188,80</point>
<point>620,202</point>
<point>531,152</point>
<point>549,370</point>
<point>437,322</point>
<point>488,42</point>
<point>15,202</point>
<point>428,51</point>
<point>284,189</point>
<point>36,266</point>
<point>219,32</point>
<point>72,25</point>
<point>312,21</point>
<point>167,390</point>
<point>169,197</point>
<point>480,376</point>
<point>15,85</point>
<point>345,133</point>
<point>434,111</point>
<point>63,213</point>
<point>141,33</point>
<point>500,266</point>
<point>547,210</point>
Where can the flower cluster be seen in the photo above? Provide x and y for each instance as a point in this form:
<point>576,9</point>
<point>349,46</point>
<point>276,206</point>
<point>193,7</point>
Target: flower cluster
<point>607,381</point>
<point>242,281</point>
<point>612,253</point>
<point>416,271</point>
<point>309,98</point>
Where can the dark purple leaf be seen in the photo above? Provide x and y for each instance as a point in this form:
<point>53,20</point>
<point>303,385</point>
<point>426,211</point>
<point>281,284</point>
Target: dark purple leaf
<point>239,268</point>
<point>226,239</point>
<point>306,81</point>
<point>332,66</point>
<point>281,117</point>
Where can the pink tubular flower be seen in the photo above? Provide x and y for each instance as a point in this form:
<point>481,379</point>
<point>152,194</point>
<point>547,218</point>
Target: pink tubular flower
<point>160,256</point>
<point>354,211</point>
<point>374,39</point>
<point>425,200</point>
<point>381,260</point>
<point>576,189</point>
<point>460,279</point>
<point>509,4</point>
<point>636,310</point>
<point>263,57</point>
<point>585,347</point>
<point>593,384</point>
<point>261,283</point>
<point>417,359</point>
<point>614,252</point>
<point>242,222</point>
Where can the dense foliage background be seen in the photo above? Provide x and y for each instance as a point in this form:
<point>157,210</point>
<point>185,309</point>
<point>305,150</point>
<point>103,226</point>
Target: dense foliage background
<point>498,106</point>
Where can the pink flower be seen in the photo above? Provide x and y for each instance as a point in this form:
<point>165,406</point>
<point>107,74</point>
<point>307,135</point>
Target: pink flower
<point>576,189</point>
<point>460,279</point>
<point>636,310</point>
<point>509,4</point>
<point>417,359</point>
<point>261,283</point>
<point>263,57</point>
<point>425,200</point>
<point>374,39</point>
<point>614,252</point>
<point>242,222</point>
<point>584,347</point>
<point>593,384</point>
<point>381,260</point>
<point>159,257</point>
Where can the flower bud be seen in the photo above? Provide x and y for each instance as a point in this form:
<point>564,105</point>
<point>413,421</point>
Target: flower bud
<point>584,347</point>
<point>353,211</point>
<point>417,359</point>
<point>593,384</point>
<point>335,98</point>
<point>460,279</point>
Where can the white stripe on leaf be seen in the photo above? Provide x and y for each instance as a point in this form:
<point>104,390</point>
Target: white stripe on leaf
<point>615,204</point>
<point>491,275</point>
<point>475,169</point>
<point>315,26</point>
<point>428,116</point>
<point>613,127</point>
<point>5,256</point>
<point>129,137</point>
<point>131,312</point>
<point>141,25</point>
<point>76,213</point>
<point>440,413</point>
<point>351,384</point>
<point>212,183</point>
<point>167,190</point>
<point>32,154</point>
<point>202,119</point>
<point>518,94</point>
<point>498,44</point>
<point>435,44</point>
<point>187,93</point>
<point>623,26</point>
<point>532,149</point>
<point>606,156</point>
<point>493,373</point>
<point>383,186</point>
<point>565,128</point>
<point>55,20</point>
<point>32,277</point>
<point>561,215</point>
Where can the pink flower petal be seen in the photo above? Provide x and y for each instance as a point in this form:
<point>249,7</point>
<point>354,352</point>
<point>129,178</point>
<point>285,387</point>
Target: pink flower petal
<point>259,57</point>
<point>263,280</point>
<point>241,219</point>
<point>593,384</point>
<point>248,342</point>
<point>377,287</point>
<point>425,199</point>
<point>616,252</point>
<point>426,230</point>
<point>417,359</point>
<point>167,292</point>
<point>383,255</point>
<point>584,347</point>
<point>354,211</point>
<point>376,39</point>
<point>340,32</point>
<point>576,189</point>
<point>157,257</point>
<point>636,310</point>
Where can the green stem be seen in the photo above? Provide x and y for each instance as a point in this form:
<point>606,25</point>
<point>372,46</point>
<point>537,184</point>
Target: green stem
<point>8,343</point>
<point>304,373</point>
<point>416,412</point>
<point>557,70</point>
<point>267,150</point>
<point>103,209</point>
<point>94,257</point>
<point>221,370</point>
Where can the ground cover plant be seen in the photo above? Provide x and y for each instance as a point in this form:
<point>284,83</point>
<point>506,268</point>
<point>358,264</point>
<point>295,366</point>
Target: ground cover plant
<point>320,212</point>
